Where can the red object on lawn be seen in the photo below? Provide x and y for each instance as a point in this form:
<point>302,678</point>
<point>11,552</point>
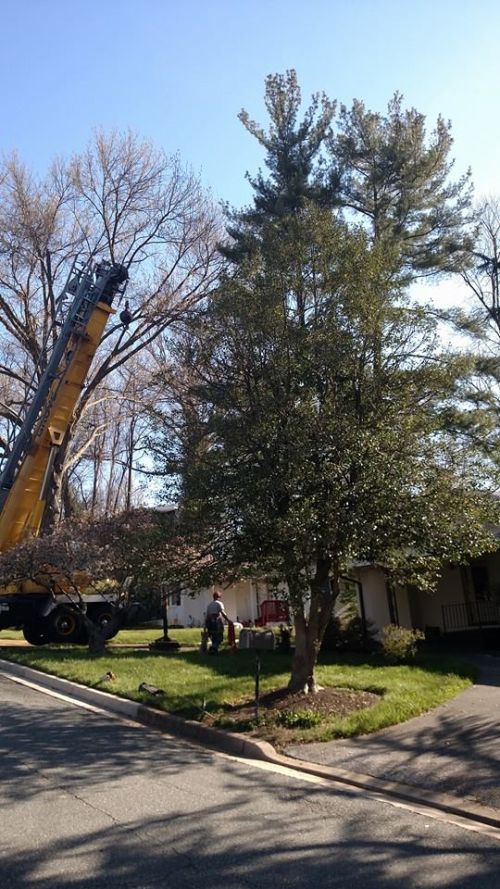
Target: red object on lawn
<point>274,611</point>
<point>231,636</point>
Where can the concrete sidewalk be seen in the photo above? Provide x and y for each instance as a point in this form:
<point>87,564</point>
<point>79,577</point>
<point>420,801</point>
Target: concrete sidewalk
<point>454,749</point>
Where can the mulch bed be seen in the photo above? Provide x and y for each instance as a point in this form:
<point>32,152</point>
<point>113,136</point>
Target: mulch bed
<point>277,710</point>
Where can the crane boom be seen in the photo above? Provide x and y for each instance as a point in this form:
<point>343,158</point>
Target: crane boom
<point>26,478</point>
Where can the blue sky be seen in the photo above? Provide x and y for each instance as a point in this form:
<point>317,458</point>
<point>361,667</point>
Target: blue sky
<point>179,72</point>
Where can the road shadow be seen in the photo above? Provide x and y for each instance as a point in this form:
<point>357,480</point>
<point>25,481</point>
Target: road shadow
<point>75,746</point>
<point>207,821</point>
<point>235,847</point>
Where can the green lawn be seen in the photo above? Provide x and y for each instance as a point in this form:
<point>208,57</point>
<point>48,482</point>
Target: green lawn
<point>194,684</point>
<point>185,636</point>
<point>189,637</point>
<point>10,634</point>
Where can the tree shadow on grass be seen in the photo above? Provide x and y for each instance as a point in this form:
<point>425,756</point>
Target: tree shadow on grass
<point>240,663</point>
<point>433,662</point>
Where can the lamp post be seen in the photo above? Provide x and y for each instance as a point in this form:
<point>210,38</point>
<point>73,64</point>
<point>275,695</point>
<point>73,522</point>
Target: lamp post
<point>165,643</point>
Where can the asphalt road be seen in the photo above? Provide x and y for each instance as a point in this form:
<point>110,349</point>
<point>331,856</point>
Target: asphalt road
<point>88,801</point>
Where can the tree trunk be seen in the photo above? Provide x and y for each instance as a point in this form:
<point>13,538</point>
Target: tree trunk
<point>112,494</point>
<point>304,659</point>
<point>130,462</point>
<point>67,509</point>
<point>309,631</point>
<point>97,635</point>
<point>54,503</point>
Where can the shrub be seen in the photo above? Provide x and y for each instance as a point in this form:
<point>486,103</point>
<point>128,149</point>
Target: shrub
<point>400,644</point>
<point>299,718</point>
<point>348,635</point>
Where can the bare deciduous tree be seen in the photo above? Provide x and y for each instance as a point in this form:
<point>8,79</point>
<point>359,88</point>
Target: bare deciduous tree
<point>120,199</point>
<point>483,274</point>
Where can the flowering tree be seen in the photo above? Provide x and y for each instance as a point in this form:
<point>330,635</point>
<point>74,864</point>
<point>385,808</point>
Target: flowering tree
<point>78,558</point>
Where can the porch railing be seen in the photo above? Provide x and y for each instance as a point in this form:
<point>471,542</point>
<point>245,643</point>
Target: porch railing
<point>464,615</point>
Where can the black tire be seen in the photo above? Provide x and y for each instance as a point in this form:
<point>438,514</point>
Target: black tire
<point>35,633</point>
<point>65,625</point>
<point>104,616</point>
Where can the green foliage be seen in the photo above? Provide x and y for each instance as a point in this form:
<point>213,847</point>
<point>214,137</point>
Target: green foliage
<point>476,414</point>
<point>399,644</point>
<point>293,157</point>
<point>348,634</point>
<point>396,177</point>
<point>309,427</point>
<point>310,418</point>
<point>384,171</point>
<point>299,718</point>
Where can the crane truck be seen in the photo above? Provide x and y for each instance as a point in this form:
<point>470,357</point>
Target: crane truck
<point>84,308</point>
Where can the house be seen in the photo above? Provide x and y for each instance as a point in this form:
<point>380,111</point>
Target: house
<point>467,599</point>
<point>242,601</point>
<point>248,601</point>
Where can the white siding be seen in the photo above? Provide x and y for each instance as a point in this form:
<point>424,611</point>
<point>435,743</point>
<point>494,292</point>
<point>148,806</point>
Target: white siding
<point>416,610</point>
<point>374,596</point>
<point>239,600</point>
<point>449,592</point>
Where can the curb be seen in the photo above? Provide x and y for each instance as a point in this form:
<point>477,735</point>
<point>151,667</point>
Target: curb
<point>248,748</point>
<point>237,745</point>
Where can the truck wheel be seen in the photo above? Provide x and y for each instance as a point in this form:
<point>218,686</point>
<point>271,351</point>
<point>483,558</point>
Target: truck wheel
<point>104,617</point>
<point>64,625</point>
<point>35,634</point>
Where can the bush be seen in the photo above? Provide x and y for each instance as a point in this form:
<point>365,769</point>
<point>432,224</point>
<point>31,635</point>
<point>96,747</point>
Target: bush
<point>348,635</point>
<point>299,718</point>
<point>400,644</point>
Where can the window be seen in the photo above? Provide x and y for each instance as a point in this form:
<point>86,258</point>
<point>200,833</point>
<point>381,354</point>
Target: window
<point>175,597</point>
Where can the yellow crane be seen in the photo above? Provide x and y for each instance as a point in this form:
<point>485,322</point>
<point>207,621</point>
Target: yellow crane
<point>27,475</point>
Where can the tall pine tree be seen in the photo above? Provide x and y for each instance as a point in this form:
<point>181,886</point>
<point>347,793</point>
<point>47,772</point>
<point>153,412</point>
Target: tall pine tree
<point>294,149</point>
<point>309,430</point>
<point>395,177</point>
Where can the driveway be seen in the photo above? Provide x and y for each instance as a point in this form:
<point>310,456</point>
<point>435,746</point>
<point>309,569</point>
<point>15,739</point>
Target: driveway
<point>453,749</point>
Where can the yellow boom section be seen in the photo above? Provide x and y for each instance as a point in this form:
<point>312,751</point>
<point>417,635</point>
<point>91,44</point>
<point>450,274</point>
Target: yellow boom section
<point>23,510</point>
